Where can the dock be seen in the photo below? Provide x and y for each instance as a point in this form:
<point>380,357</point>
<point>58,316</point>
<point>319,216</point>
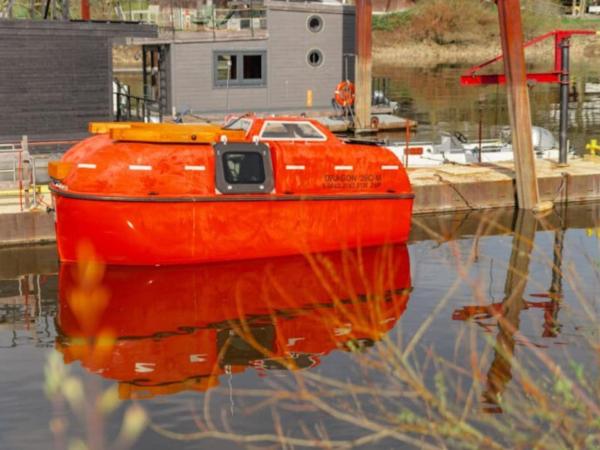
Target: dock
<point>449,188</point>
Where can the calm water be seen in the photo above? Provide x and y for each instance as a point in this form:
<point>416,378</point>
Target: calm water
<point>307,348</point>
<point>436,99</point>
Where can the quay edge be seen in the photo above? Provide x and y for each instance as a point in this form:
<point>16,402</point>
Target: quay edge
<point>443,189</point>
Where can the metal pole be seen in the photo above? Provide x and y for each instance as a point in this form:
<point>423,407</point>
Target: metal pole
<point>407,149</point>
<point>364,64</point>
<point>511,32</point>
<point>85,9</point>
<point>47,9</point>
<point>33,181</point>
<point>480,129</point>
<point>119,118</point>
<point>65,9</point>
<point>564,100</point>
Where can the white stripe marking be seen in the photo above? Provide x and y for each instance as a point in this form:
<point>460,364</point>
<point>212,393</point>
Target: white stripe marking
<point>141,367</point>
<point>138,167</point>
<point>390,167</point>
<point>198,358</point>
<point>86,166</point>
<point>195,168</point>
<point>291,167</point>
<point>344,168</point>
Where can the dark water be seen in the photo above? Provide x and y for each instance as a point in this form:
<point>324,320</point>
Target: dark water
<point>238,355</point>
<point>436,99</point>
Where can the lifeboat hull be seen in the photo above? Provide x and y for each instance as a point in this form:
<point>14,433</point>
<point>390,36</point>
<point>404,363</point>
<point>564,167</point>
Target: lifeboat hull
<point>163,231</point>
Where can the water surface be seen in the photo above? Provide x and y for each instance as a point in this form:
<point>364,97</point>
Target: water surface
<point>437,100</point>
<point>312,348</point>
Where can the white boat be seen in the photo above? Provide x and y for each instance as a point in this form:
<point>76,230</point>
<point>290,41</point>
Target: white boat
<point>455,148</point>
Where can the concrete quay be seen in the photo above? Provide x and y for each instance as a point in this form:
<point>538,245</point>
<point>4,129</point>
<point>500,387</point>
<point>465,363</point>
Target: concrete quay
<point>460,187</point>
<point>444,189</point>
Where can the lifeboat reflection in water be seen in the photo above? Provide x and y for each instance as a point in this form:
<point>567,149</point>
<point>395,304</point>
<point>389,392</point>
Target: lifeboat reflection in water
<point>179,328</point>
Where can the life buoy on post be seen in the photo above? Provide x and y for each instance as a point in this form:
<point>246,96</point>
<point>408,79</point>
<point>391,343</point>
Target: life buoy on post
<point>344,94</point>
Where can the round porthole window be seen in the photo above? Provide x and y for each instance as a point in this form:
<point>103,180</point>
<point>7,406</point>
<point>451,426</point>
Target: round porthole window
<point>315,58</point>
<point>315,23</point>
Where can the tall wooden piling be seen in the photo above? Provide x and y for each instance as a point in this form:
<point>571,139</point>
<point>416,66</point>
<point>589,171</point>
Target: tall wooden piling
<point>364,64</point>
<point>511,31</point>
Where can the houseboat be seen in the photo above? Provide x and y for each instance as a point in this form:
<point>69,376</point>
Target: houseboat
<point>148,194</point>
<point>285,313</point>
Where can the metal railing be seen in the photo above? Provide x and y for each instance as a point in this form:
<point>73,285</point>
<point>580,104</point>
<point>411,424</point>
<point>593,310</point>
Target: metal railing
<point>15,161</point>
<point>23,176</point>
<point>132,108</point>
<point>205,18</point>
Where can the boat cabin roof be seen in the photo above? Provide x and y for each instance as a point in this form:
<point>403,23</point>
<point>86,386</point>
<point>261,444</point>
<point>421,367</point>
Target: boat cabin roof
<point>283,128</point>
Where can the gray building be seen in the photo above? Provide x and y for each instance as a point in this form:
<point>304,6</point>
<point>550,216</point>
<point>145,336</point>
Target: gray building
<point>56,76</point>
<point>298,52</point>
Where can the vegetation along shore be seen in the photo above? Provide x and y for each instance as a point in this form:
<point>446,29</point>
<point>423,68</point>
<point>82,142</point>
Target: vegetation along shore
<point>462,32</point>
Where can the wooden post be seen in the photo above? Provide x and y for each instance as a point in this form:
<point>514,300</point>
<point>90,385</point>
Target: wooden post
<point>364,65</point>
<point>500,372</point>
<point>511,31</point>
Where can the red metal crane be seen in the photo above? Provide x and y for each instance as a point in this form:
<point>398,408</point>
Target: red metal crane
<point>560,74</point>
<point>471,77</point>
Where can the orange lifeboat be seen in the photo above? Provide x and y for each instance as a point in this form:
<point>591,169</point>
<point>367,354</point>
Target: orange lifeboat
<point>205,321</point>
<point>146,194</point>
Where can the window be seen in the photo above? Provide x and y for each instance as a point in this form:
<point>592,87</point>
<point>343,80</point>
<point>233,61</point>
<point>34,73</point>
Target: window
<point>291,131</point>
<point>236,123</point>
<point>252,67</point>
<point>226,67</point>
<point>315,23</point>
<point>315,58</point>
<point>240,68</point>
<point>243,168</point>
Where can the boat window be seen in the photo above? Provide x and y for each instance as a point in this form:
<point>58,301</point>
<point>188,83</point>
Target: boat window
<point>240,68</point>
<point>293,131</point>
<point>238,124</point>
<point>243,168</point>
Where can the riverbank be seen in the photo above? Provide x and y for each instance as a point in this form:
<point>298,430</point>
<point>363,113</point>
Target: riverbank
<point>427,54</point>
<point>466,32</point>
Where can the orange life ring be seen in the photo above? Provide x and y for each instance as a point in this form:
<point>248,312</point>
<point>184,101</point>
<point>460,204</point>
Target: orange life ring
<point>344,94</point>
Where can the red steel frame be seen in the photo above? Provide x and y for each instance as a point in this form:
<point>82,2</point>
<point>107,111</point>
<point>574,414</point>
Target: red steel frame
<point>471,78</point>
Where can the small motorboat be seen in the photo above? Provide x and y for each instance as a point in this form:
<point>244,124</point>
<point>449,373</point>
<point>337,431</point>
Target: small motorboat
<point>284,313</point>
<point>147,194</point>
<point>456,148</point>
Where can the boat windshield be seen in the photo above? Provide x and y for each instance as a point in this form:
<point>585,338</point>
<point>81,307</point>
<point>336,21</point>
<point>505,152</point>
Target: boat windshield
<point>291,131</point>
<point>238,124</point>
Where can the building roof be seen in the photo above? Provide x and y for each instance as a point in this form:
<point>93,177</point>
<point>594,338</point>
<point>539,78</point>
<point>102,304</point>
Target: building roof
<point>107,29</point>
